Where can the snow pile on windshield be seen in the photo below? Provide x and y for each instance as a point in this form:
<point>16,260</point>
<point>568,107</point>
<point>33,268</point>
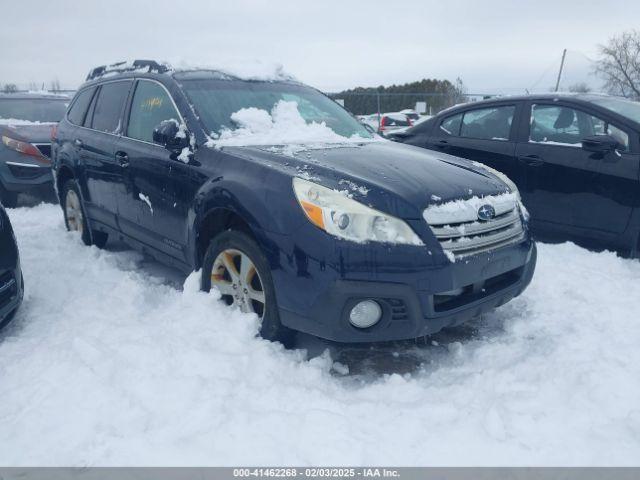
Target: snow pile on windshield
<point>244,70</point>
<point>283,125</point>
<point>110,362</point>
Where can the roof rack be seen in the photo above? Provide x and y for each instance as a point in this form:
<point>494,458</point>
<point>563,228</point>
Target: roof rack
<point>151,66</point>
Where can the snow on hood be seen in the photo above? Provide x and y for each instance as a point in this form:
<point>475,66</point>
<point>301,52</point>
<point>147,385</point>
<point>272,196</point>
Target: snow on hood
<point>283,126</point>
<point>17,121</point>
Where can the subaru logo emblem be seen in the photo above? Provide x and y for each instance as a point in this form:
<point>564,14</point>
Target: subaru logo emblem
<point>486,213</point>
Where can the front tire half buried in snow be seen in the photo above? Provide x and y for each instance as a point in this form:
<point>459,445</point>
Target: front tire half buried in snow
<point>235,265</point>
<point>74,215</point>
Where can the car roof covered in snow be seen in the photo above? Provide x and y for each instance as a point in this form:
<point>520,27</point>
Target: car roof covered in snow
<point>256,71</point>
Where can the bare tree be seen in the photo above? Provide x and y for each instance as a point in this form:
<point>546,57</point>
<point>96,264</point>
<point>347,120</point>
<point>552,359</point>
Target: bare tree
<point>580,87</point>
<point>456,93</point>
<point>55,85</point>
<point>619,64</point>
<point>10,88</point>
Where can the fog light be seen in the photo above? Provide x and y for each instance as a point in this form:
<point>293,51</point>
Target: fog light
<point>365,314</point>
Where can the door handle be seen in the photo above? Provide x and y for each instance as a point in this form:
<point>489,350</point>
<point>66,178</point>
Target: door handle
<point>531,160</point>
<point>78,143</point>
<point>123,159</point>
<point>442,144</point>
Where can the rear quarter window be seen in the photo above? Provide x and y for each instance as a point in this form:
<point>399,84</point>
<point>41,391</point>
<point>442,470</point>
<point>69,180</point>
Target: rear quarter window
<point>79,106</point>
<point>451,125</point>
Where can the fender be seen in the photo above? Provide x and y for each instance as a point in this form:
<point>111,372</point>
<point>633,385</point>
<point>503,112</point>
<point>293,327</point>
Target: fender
<point>241,197</point>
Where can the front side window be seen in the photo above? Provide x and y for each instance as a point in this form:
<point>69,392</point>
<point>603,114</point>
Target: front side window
<point>108,107</point>
<point>451,125</point>
<point>151,105</point>
<point>557,124</point>
<point>488,123</point>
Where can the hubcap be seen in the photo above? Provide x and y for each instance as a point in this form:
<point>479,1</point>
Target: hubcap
<point>74,212</point>
<point>238,280</point>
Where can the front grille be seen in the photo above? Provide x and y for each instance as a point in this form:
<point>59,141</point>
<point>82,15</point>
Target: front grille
<point>8,288</point>
<point>45,149</point>
<point>460,233</point>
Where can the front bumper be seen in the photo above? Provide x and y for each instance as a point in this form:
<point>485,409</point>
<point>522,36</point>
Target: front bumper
<point>319,279</point>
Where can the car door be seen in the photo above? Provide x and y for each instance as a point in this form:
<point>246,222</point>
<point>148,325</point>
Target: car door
<point>484,134</point>
<point>96,141</point>
<point>148,211</point>
<point>569,190</point>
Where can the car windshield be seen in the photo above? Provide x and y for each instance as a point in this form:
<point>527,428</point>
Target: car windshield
<point>33,109</point>
<point>623,107</point>
<point>269,110</point>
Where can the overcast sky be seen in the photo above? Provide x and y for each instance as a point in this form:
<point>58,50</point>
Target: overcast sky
<point>495,46</point>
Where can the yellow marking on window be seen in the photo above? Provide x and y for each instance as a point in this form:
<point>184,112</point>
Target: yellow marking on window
<point>151,103</point>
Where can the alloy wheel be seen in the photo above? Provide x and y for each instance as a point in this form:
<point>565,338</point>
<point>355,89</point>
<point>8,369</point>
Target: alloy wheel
<point>235,275</point>
<point>73,211</point>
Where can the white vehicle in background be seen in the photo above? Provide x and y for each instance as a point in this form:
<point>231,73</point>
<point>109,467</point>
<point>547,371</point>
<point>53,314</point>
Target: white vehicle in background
<point>391,122</point>
<point>411,114</point>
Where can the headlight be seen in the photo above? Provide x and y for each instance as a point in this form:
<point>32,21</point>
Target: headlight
<point>345,218</point>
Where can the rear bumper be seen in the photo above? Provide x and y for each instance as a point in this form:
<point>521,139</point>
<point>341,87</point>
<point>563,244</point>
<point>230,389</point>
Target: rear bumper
<point>316,294</point>
<point>21,175</point>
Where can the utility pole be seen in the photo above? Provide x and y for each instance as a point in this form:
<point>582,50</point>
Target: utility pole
<point>564,54</point>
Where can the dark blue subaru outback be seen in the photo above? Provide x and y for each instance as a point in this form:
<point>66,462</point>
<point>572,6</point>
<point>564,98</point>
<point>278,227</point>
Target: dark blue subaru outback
<point>289,207</point>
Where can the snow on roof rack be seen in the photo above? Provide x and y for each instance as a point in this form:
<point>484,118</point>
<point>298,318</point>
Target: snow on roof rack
<point>149,66</point>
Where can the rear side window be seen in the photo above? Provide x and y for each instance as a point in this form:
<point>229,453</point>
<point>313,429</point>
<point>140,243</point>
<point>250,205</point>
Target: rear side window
<point>79,106</point>
<point>451,125</point>
<point>108,108</point>
<point>488,123</point>
<point>151,105</point>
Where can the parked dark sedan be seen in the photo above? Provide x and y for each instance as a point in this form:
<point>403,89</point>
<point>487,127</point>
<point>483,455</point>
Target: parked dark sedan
<point>26,122</point>
<point>575,159</point>
<point>10,273</point>
<point>290,208</point>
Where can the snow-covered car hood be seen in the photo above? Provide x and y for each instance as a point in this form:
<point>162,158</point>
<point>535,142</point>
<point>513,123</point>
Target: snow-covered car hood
<point>399,179</point>
<point>33,132</point>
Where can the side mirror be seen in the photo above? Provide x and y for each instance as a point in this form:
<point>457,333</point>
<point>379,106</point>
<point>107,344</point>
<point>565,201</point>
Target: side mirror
<point>600,143</point>
<point>169,135</point>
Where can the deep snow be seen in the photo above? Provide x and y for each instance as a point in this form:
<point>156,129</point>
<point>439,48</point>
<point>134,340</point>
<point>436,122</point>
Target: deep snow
<point>108,363</point>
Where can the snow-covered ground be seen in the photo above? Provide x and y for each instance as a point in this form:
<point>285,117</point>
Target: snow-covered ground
<point>110,362</point>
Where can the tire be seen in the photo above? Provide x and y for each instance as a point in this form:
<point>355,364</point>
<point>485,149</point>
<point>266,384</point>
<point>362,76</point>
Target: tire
<point>7,198</point>
<point>7,320</point>
<point>234,244</point>
<point>75,218</point>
